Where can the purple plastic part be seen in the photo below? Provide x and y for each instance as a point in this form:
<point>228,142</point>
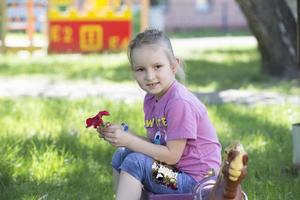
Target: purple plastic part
<point>151,196</point>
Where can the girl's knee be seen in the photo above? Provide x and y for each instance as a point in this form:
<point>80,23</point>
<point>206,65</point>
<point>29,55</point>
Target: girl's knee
<point>118,157</point>
<point>137,158</point>
<point>137,164</point>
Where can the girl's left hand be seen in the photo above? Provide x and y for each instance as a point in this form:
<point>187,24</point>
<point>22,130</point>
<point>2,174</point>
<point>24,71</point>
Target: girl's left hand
<point>115,135</point>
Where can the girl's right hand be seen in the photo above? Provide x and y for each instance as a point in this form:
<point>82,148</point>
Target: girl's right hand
<point>100,130</point>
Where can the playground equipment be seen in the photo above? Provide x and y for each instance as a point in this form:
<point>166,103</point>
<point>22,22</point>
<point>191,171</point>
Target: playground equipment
<point>74,26</point>
<point>21,16</point>
<point>86,26</point>
<point>2,29</point>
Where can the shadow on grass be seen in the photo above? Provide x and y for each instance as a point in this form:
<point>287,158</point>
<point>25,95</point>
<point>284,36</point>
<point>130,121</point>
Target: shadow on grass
<point>216,69</point>
<point>89,176</point>
<point>208,32</point>
<point>224,69</point>
<point>270,151</point>
<point>121,73</point>
<point>232,73</point>
<point>246,126</point>
<point>202,72</point>
<point>221,76</point>
<point>87,173</point>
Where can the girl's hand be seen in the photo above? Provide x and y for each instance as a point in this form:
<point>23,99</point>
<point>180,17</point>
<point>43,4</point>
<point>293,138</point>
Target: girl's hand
<point>115,135</point>
<point>100,129</point>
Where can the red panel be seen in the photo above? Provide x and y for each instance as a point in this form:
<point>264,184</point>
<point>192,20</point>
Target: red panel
<point>88,36</point>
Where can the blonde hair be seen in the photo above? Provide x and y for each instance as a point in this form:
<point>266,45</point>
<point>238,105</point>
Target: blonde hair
<point>154,36</point>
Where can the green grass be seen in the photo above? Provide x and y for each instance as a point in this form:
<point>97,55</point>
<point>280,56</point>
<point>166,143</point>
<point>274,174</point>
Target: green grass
<point>46,149</point>
<point>68,66</point>
<point>47,153</point>
<point>206,69</point>
<point>208,32</point>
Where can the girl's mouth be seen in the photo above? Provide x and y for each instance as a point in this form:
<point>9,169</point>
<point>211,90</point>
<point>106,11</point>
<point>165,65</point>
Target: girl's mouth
<point>152,85</point>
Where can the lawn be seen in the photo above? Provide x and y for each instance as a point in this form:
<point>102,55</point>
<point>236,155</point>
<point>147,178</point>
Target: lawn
<point>47,153</point>
<point>206,70</point>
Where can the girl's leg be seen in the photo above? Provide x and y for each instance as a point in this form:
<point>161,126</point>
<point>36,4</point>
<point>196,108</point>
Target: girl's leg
<point>132,172</point>
<point>116,176</point>
<point>129,187</point>
<point>158,178</point>
<point>116,162</point>
<point>136,173</point>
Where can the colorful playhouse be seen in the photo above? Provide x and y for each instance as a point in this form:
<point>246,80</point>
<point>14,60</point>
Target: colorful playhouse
<point>88,26</point>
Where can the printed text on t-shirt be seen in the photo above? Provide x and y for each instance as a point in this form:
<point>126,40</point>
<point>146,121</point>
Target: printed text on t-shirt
<point>158,121</point>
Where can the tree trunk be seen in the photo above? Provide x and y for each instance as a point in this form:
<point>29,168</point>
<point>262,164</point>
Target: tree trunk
<point>274,27</point>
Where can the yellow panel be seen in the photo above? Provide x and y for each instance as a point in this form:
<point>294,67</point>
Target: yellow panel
<point>96,9</point>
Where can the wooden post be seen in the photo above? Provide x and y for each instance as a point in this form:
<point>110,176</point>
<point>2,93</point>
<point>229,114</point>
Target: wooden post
<point>296,145</point>
<point>2,25</point>
<point>145,14</point>
<point>30,23</point>
<point>128,3</point>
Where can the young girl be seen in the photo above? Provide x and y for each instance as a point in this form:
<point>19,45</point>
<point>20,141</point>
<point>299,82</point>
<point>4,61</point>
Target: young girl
<point>181,147</point>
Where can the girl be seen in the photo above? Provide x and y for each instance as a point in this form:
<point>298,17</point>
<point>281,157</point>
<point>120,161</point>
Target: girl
<point>181,147</point>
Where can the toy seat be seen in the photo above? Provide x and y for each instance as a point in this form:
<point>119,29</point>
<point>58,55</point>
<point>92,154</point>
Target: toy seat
<point>151,196</point>
<point>187,196</point>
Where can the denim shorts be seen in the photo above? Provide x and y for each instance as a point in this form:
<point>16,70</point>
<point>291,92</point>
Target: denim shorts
<point>140,166</point>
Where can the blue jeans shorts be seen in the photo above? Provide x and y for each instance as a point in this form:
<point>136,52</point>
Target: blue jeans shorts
<point>140,166</point>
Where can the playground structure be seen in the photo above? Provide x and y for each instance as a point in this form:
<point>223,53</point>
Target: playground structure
<point>2,29</point>
<point>74,26</point>
<point>88,26</point>
<point>24,16</point>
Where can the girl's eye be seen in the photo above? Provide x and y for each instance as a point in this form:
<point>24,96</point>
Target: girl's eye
<point>158,66</point>
<point>139,69</point>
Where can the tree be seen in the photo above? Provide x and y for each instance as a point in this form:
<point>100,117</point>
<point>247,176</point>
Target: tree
<point>274,26</point>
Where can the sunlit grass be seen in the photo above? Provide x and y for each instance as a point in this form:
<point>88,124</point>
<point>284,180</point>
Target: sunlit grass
<point>266,133</point>
<point>207,69</point>
<point>48,165</point>
<point>46,151</point>
<point>65,66</point>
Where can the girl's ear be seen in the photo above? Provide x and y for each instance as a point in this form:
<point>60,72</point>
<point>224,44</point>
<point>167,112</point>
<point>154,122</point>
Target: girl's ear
<point>175,65</point>
<point>177,60</point>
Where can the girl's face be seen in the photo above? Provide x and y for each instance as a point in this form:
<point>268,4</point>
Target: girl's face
<point>153,69</point>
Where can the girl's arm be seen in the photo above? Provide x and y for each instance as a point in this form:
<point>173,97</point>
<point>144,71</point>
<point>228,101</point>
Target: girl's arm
<point>101,135</point>
<point>170,154</point>
<point>141,137</point>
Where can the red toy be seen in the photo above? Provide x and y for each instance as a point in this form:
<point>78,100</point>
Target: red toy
<point>97,120</point>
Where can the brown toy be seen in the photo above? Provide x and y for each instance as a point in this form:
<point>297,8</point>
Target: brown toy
<point>234,170</point>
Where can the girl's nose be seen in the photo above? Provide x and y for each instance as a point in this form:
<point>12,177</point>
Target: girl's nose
<point>150,75</point>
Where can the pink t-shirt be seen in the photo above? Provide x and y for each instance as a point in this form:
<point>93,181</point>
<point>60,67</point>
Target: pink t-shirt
<point>180,115</point>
